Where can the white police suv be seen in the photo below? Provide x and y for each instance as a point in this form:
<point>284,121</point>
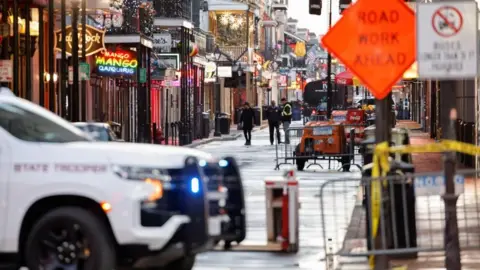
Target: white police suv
<point>69,202</point>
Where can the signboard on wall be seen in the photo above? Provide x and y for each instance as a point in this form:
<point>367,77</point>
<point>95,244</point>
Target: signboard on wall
<point>116,63</point>
<point>162,41</point>
<point>167,60</point>
<point>6,71</point>
<point>95,40</point>
<point>224,72</point>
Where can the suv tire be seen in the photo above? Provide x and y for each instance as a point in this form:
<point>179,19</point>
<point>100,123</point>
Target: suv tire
<point>100,247</point>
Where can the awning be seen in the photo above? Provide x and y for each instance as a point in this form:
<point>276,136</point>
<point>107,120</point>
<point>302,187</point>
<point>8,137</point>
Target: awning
<point>294,37</point>
<point>344,78</point>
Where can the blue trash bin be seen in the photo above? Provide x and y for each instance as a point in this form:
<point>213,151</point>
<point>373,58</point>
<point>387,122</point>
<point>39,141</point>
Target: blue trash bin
<point>296,114</point>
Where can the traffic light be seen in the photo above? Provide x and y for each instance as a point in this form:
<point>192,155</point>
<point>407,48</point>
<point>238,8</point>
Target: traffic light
<point>344,4</point>
<point>315,7</point>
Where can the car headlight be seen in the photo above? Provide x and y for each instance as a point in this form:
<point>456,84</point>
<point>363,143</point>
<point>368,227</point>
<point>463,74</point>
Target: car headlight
<point>138,173</point>
<point>156,179</point>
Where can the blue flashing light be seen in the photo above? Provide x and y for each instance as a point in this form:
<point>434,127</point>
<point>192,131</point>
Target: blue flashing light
<point>195,185</point>
<point>223,163</point>
<point>202,163</point>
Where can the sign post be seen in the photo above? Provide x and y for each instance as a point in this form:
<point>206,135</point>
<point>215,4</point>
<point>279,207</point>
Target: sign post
<point>376,41</point>
<point>447,46</point>
<point>447,49</point>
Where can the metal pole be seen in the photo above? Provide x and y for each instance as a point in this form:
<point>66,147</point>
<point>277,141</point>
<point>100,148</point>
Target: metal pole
<point>41,58</point>
<point>84,58</point>
<point>183,88</point>
<point>16,64</point>
<point>382,134</point>
<point>451,240</point>
<point>51,55</point>
<point>148,93</point>
<point>28,53</point>
<point>217,132</point>
<point>329,67</point>
<point>64,67</point>
<point>75,88</point>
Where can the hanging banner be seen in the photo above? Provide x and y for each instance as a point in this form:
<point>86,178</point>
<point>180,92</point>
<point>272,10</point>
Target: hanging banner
<point>210,72</point>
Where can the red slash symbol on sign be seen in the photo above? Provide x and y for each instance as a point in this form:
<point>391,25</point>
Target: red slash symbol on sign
<point>447,21</point>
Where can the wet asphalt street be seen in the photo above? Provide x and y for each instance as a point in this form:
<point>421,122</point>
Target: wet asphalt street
<point>257,164</point>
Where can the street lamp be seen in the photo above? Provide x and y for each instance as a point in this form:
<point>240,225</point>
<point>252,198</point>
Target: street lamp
<point>239,70</point>
<point>217,54</point>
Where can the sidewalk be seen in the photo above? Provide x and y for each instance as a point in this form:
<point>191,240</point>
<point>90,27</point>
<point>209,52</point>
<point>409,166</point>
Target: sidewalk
<point>430,220</point>
<point>408,124</point>
<point>234,134</point>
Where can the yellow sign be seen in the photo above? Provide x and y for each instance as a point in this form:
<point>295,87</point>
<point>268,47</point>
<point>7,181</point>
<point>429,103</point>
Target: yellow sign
<point>94,43</point>
<point>34,27</point>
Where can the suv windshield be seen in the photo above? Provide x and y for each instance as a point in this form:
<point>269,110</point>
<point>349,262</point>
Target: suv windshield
<point>98,133</point>
<point>31,126</point>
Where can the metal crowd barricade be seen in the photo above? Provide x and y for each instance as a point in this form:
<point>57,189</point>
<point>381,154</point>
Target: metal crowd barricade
<point>411,220</point>
<point>288,153</point>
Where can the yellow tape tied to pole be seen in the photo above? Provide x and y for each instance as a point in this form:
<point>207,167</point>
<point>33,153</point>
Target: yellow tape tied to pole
<point>381,166</point>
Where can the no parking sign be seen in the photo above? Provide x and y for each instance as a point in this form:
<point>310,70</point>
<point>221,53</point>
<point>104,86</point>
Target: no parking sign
<point>447,45</point>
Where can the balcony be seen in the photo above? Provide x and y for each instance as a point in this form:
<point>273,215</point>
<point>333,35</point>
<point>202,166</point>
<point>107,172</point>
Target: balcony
<point>133,21</point>
<point>179,9</point>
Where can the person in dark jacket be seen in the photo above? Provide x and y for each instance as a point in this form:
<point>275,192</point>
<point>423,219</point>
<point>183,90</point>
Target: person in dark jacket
<point>307,113</point>
<point>273,116</point>
<point>247,119</point>
<point>286,118</point>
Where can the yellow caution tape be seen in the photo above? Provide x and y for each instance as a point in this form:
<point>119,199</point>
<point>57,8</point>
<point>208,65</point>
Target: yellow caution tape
<point>381,166</point>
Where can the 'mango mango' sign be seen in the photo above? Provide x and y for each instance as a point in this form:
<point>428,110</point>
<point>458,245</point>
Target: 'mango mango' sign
<point>116,63</point>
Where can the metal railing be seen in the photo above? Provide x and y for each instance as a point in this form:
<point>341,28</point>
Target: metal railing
<point>302,150</point>
<point>412,216</point>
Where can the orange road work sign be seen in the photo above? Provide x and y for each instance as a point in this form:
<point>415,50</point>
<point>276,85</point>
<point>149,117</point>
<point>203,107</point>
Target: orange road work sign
<point>376,41</point>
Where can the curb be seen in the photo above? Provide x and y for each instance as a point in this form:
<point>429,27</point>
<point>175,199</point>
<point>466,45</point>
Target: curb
<point>232,137</point>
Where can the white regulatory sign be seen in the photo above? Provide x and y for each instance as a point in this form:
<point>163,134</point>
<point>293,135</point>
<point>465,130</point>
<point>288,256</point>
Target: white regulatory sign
<point>435,185</point>
<point>447,45</point>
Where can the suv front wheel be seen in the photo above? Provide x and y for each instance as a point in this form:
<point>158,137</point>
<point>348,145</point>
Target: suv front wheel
<point>69,237</point>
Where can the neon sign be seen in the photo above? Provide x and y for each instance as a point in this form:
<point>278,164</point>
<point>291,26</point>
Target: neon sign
<point>117,63</point>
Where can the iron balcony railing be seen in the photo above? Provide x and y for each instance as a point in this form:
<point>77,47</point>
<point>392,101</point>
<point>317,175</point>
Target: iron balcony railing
<point>234,52</point>
<point>173,9</point>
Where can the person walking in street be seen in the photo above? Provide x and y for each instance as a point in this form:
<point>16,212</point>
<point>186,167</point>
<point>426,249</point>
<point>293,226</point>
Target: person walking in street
<point>286,118</point>
<point>247,119</point>
<point>273,116</point>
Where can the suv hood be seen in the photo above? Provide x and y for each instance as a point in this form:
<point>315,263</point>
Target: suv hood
<point>139,154</point>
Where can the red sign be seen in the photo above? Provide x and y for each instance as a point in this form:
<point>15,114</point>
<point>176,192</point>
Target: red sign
<point>447,21</point>
<point>155,85</point>
<point>376,41</point>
